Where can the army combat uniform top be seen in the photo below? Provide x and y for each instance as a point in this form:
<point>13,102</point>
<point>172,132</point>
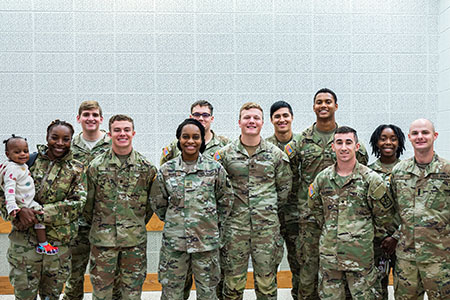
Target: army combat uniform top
<point>80,246</point>
<point>291,212</point>
<point>289,220</point>
<point>172,151</point>
<point>308,152</point>
<point>261,183</point>
<point>61,190</point>
<point>194,203</point>
<point>349,211</point>
<point>118,203</point>
<point>82,153</point>
<point>422,198</point>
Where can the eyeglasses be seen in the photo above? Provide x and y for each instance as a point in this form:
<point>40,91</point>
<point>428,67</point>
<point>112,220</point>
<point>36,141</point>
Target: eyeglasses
<point>198,115</point>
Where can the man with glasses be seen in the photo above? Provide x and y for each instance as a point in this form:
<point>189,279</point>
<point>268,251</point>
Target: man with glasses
<point>202,111</point>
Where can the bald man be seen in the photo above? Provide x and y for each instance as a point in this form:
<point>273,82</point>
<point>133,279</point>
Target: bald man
<point>421,190</point>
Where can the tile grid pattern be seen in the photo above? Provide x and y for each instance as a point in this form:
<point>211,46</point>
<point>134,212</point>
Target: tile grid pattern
<point>442,123</point>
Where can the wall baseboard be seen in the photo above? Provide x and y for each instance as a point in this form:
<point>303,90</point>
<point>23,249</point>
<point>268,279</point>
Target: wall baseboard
<point>151,282</point>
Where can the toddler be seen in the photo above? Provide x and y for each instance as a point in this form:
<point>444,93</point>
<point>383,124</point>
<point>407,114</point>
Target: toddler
<point>18,186</point>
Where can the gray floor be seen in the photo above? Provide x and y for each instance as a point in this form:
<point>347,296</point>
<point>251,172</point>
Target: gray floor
<point>283,294</point>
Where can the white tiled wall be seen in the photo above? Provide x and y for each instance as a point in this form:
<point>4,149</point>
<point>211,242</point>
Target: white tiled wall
<point>442,122</point>
<point>152,58</point>
<point>388,61</point>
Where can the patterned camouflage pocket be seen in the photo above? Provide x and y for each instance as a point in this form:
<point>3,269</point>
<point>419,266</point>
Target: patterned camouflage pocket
<point>439,191</point>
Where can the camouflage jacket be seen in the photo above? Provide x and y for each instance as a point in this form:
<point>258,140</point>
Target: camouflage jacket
<point>85,155</point>
<point>118,204</point>
<point>385,173</point>
<point>307,152</point>
<point>213,145</point>
<point>292,210</point>
<point>349,213</point>
<point>261,185</point>
<point>61,190</point>
<point>422,198</point>
<point>194,204</point>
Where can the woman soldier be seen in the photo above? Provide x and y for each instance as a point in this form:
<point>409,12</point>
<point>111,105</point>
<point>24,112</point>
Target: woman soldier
<point>60,190</point>
<point>196,199</point>
<point>388,143</point>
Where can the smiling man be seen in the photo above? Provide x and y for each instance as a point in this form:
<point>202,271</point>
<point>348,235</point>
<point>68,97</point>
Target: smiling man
<point>311,153</point>
<point>281,116</point>
<point>349,203</point>
<point>421,190</point>
<point>87,145</point>
<point>118,207</point>
<point>261,178</point>
<point>202,111</point>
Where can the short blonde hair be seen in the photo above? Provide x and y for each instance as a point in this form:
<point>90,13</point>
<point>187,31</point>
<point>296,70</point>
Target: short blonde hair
<point>250,105</point>
<point>88,105</point>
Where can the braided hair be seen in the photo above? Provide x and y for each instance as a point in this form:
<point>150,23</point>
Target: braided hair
<point>12,138</point>
<point>58,122</point>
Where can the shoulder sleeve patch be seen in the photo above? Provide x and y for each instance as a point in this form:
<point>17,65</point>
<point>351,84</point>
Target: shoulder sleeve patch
<point>166,151</point>
<point>288,149</point>
<point>311,191</point>
<point>217,156</point>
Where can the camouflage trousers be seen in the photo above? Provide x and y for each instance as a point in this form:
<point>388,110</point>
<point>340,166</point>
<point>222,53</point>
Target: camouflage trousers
<point>266,250</point>
<point>308,245</point>
<point>290,235</point>
<point>412,279</point>
<point>362,285</point>
<point>32,273</point>
<point>383,278</point>
<point>173,269</point>
<point>122,268</point>
<point>81,249</point>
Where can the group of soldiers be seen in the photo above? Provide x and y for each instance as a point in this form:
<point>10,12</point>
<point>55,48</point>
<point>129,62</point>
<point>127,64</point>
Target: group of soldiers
<point>311,191</point>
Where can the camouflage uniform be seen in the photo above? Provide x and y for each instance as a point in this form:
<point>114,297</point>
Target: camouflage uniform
<point>349,210</point>
<point>422,198</point>
<point>289,221</point>
<point>61,190</point>
<point>80,246</point>
<point>212,146</point>
<point>172,151</point>
<point>261,186</point>
<point>383,277</point>
<point>118,207</point>
<point>310,155</point>
<point>194,203</point>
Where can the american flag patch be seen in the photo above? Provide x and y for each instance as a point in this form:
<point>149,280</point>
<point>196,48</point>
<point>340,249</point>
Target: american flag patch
<point>166,151</point>
<point>288,149</point>
<point>311,190</point>
<point>217,155</point>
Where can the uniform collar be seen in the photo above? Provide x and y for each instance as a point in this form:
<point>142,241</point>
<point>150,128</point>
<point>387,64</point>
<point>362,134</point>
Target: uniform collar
<point>261,147</point>
<point>180,165</point>
<point>432,167</point>
<point>114,159</point>
<point>78,142</point>
<point>213,142</point>
<point>312,134</point>
<point>378,166</point>
<point>354,175</point>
